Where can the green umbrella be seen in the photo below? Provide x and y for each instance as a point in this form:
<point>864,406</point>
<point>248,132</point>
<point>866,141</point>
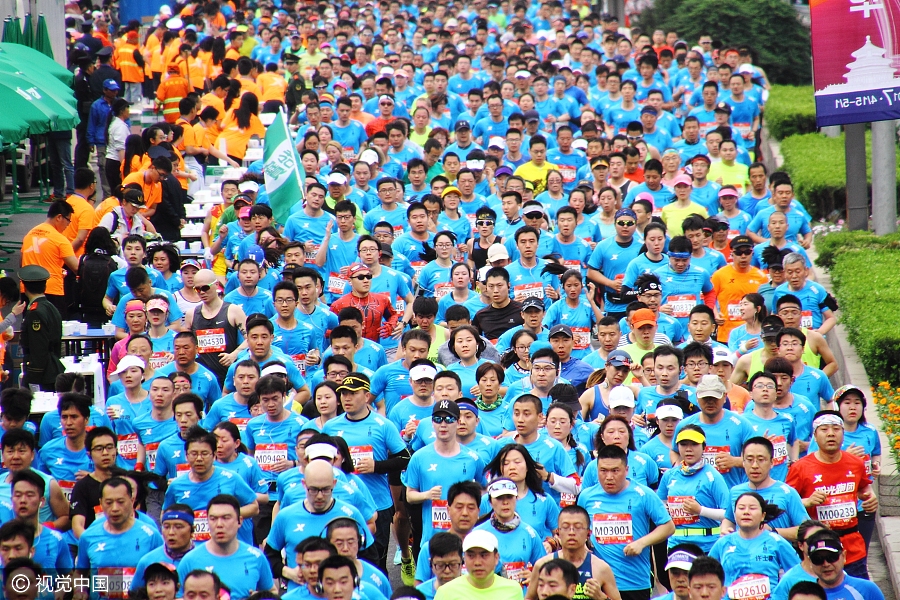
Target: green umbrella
<point>49,86</point>
<point>17,32</point>
<point>24,57</point>
<point>9,34</point>
<point>42,43</point>
<point>39,111</point>
<point>28,32</point>
<point>50,93</point>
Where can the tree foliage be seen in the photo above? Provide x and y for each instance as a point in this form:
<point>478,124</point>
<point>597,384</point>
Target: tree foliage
<point>769,27</point>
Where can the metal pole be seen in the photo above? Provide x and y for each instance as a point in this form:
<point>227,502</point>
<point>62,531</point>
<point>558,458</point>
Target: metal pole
<point>884,177</point>
<point>857,188</point>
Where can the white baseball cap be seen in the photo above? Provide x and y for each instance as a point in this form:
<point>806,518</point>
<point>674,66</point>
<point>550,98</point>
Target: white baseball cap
<point>128,361</point>
<point>621,396</point>
<point>480,538</point>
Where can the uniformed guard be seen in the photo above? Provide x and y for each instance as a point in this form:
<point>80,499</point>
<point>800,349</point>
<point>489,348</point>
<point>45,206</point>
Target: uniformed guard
<point>296,85</point>
<point>41,337</point>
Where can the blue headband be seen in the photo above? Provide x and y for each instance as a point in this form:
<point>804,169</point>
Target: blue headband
<point>680,255</point>
<point>178,515</point>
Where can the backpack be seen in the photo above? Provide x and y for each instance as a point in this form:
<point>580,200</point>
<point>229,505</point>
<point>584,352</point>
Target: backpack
<point>93,275</point>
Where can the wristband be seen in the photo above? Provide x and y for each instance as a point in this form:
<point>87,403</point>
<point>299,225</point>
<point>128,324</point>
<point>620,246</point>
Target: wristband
<point>49,525</point>
<point>139,466</point>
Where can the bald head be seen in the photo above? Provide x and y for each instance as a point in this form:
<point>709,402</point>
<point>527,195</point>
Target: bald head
<point>319,473</point>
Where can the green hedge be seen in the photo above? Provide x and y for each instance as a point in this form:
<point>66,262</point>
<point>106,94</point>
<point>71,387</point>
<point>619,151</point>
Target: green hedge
<point>829,247</point>
<point>817,168</point>
<point>791,110</point>
<point>867,285</point>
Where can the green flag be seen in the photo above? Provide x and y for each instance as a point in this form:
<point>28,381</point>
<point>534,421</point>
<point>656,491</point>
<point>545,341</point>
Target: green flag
<point>282,169</point>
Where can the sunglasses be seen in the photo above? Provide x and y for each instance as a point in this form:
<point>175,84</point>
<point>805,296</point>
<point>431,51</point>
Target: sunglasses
<point>534,215</point>
<point>202,288</point>
<point>625,223</point>
<point>438,419</point>
<point>321,87</point>
<point>483,223</point>
<point>820,559</point>
<point>742,252</point>
<point>363,277</point>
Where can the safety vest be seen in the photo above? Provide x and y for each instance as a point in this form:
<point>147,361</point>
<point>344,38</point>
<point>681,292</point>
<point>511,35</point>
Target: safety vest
<point>131,72</point>
<point>170,92</point>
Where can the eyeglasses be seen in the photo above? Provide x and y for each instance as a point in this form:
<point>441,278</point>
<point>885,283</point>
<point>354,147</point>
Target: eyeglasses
<point>742,252</point>
<point>444,566</point>
<point>193,454</point>
<point>444,246</point>
<point>438,419</point>
<point>763,386</point>
<point>786,344</point>
<point>820,559</point>
<point>543,368</point>
<point>106,448</point>
<point>363,277</point>
<point>284,300</point>
<point>696,365</point>
<point>483,223</point>
<point>315,491</point>
<point>625,223</point>
<point>202,288</point>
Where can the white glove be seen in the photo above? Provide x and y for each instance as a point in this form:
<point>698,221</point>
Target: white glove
<point>208,255</point>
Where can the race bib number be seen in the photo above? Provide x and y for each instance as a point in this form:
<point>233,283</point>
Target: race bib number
<point>150,451</point>
<point>337,282</point>
<point>734,312</point>
<point>210,340</point>
<point>568,173</point>
<point>867,460</point>
<point>310,257</point>
<point>838,512</point>
<point>118,580</point>
<point>750,587</point>
<point>269,454</point>
<point>514,571</point>
<point>806,319</point>
<point>613,528</point>
<point>67,487</point>
<point>682,304</point>
<point>440,515</point>
<point>709,456</point>
<point>128,446</point>
<point>442,289</point>
<point>359,452</point>
<point>569,499</point>
<point>528,290</point>
<point>299,361</point>
<point>201,526</point>
<point>418,265</point>
<point>779,442</point>
<point>160,359</point>
<point>582,337</point>
<point>680,516</point>
<point>398,231</point>
<point>241,423</point>
<point>349,154</point>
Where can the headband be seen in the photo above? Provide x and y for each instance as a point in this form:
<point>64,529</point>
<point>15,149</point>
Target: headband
<point>690,435</point>
<point>651,285</point>
<point>178,515</point>
<point>680,255</point>
<point>827,420</point>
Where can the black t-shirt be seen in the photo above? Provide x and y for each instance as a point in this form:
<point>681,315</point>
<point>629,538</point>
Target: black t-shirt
<point>494,322</point>
<point>85,499</point>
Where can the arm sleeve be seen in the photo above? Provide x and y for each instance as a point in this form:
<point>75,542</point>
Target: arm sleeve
<point>393,463</point>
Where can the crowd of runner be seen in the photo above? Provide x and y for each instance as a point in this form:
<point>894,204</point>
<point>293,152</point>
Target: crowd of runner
<point>539,317</point>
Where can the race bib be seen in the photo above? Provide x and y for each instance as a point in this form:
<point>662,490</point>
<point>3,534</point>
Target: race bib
<point>682,304</point>
<point>118,580</point>
<point>568,173</point>
<point>528,290</point>
<point>709,456</point>
<point>781,449</point>
<point>337,283</point>
<point>442,289</point>
<point>160,359</point>
<point>418,265</point>
<point>733,233</point>
<point>514,571</point>
<point>269,454</point>
<point>182,468</point>
<point>210,340</point>
<point>744,128</point>
<point>358,452</point>
<point>750,587</point>
<point>582,337</point>
<point>349,154</point>
<point>128,446</point>
<point>241,423</point>
<point>201,526</point>
<point>613,528</point>
<point>398,231</point>
<point>838,511</point>
<point>566,499</point>
<point>150,451</point>
<point>310,257</point>
<point>299,361</point>
<point>66,487</point>
<point>680,516</point>
<point>575,264</point>
<point>734,312</point>
<point>440,515</point>
<point>806,319</point>
<point>867,460</point>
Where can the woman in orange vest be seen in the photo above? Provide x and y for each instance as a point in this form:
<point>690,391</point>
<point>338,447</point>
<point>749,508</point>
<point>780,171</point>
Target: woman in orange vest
<point>240,125</point>
<point>126,58</point>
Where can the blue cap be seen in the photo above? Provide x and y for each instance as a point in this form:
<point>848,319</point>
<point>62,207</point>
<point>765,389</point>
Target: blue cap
<point>618,358</point>
<point>256,253</point>
<point>625,212</point>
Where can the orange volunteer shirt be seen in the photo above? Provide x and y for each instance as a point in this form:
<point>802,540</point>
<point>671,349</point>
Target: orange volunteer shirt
<point>46,247</point>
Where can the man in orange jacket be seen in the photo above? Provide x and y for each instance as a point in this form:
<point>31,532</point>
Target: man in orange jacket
<point>129,60</point>
<point>171,91</point>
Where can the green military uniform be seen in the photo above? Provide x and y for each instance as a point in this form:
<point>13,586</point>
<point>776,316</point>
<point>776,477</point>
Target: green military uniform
<point>41,337</point>
<point>296,85</point>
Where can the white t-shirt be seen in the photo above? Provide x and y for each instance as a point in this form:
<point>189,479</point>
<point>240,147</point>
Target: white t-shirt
<point>115,141</point>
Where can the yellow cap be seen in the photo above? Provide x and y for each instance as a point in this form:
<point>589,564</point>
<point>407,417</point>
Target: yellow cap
<point>690,435</point>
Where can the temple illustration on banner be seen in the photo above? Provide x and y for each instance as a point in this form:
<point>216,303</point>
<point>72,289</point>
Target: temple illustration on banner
<point>870,70</point>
